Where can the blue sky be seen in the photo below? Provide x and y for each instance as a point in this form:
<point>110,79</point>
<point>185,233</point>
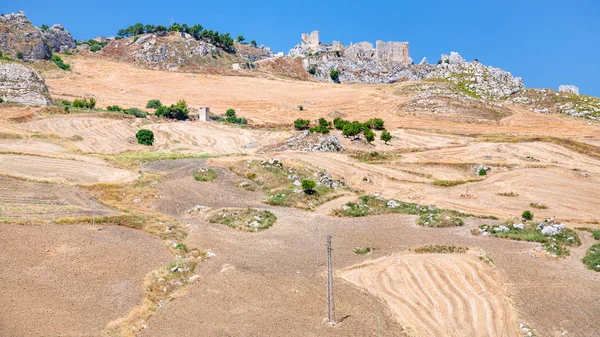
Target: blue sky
<point>548,43</point>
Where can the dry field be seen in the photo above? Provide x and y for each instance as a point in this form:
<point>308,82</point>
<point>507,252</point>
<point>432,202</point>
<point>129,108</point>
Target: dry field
<point>74,279</point>
<point>440,294</point>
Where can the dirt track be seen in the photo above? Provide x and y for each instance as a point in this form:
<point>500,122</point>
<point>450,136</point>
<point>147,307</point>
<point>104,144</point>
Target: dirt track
<point>440,294</point>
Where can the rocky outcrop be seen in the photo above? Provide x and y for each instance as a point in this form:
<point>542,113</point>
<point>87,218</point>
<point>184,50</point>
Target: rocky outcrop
<point>311,44</point>
<point>18,34</point>
<point>310,142</point>
<point>21,84</point>
<point>547,101</point>
<point>59,38</point>
<point>252,54</point>
<point>477,79</point>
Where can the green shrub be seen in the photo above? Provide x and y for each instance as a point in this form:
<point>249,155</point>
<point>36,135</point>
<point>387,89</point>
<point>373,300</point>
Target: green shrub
<point>362,251</point>
<point>300,107</point>
<point>592,257</point>
<point>319,129</point>
<point>177,111</point>
<point>1,100</point>
<point>20,55</point>
<point>95,48</point>
<point>339,123</point>
<point>308,186</point>
<point>153,104</point>
<point>324,123</point>
<point>205,174</point>
<point>482,172</point>
<point>136,112</point>
<point>44,27</point>
<point>59,62</point>
<point>231,117</point>
<point>335,75</point>
<point>84,103</point>
<point>135,38</point>
<point>352,129</point>
<point>386,136</point>
<point>369,135</point>
<point>114,108</point>
<point>145,137</point>
<point>527,215</point>
<point>312,71</point>
<point>301,124</point>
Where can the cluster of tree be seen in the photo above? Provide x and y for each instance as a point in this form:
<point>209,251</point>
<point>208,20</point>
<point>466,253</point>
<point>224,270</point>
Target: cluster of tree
<point>231,117</point>
<point>82,103</point>
<point>224,41</point>
<point>177,111</point>
<point>153,104</point>
<point>131,111</point>
<point>241,39</point>
<point>303,124</point>
<point>94,45</point>
<point>59,62</point>
<point>355,128</point>
<point>145,137</point>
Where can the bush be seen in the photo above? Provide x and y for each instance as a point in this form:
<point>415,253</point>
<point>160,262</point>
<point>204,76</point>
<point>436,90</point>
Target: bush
<point>339,123</point>
<point>205,174</point>
<point>153,104</point>
<point>312,71</point>
<point>145,137</point>
<point>352,129</point>
<point>301,124</point>
<point>231,117</point>
<point>319,129</point>
<point>95,48</point>
<point>377,123</point>
<point>300,107</point>
<point>369,135</point>
<point>20,55</point>
<point>527,215</point>
<point>45,27</point>
<point>177,111</point>
<point>308,186</point>
<point>386,136</point>
<point>114,108</point>
<point>84,103</point>
<point>482,172</point>
<point>592,257</point>
<point>334,74</point>
<point>136,112</point>
<point>59,62</point>
<point>324,123</point>
<point>1,100</point>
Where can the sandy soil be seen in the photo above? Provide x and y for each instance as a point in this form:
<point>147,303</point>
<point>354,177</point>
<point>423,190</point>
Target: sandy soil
<point>63,280</point>
<point>25,200</point>
<point>440,294</point>
<point>61,170</point>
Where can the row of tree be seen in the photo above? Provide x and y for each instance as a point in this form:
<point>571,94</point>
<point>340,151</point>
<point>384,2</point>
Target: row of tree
<point>224,41</point>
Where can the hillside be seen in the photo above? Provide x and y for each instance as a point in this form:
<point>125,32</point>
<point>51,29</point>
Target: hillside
<point>150,189</point>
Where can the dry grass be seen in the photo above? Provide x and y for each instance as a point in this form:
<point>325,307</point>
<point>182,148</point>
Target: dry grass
<point>439,249</point>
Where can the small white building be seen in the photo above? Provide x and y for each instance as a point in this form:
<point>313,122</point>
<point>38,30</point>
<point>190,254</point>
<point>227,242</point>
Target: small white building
<point>236,67</point>
<point>280,54</point>
<point>203,114</point>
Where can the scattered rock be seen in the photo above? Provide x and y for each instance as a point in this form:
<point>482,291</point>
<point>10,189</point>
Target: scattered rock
<point>21,84</point>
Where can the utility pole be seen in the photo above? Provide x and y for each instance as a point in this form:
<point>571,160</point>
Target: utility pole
<point>330,303</point>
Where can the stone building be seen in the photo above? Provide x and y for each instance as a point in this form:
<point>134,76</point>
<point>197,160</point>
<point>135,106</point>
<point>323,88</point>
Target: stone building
<point>203,114</point>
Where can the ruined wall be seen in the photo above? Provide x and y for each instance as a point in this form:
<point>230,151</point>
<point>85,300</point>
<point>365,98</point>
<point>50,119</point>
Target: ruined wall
<point>311,40</point>
<point>384,52</point>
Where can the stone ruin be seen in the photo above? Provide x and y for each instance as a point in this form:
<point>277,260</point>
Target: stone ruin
<point>311,44</point>
<point>569,88</point>
<point>384,52</point>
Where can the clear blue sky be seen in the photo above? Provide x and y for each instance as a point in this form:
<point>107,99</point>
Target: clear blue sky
<point>548,43</point>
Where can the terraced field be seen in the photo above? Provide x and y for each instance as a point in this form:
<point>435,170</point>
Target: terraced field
<point>453,295</point>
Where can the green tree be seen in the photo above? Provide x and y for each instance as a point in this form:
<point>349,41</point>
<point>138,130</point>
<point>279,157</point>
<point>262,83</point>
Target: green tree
<point>253,43</point>
<point>339,123</point>
<point>230,114</point>
<point>45,27</point>
<point>196,31</point>
<point>95,48</point>
<point>301,124</point>
<point>527,215</point>
<point>324,123</point>
<point>369,135</point>
<point>153,104</point>
<point>59,62</point>
<point>377,123</point>
<point>114,108</point>
<point>179,111</point>
<point>352,129</point>
<point>308,186</point>
<point>335,75</point>
<point>20,55</point>
<point>162,111</point>
<point>312,71</point>
<point>149,28</point>
<point>145,137</point>
<point>241,38</point>
<point>386,136</point>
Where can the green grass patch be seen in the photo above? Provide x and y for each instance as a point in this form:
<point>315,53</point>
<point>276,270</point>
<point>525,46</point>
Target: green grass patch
<point>556,245</point>
<point>205,174</point>
<point>592,257</point>
<point>362,251</point>
<point>248,220</point>
<point>450,183</point>
<point>439,249</point>
<point>539,205</point>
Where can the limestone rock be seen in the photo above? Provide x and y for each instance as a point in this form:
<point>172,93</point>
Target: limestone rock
<point>569,88</point>
<point>18,34</point>
<point>59,38</point>
<point>21,84</point>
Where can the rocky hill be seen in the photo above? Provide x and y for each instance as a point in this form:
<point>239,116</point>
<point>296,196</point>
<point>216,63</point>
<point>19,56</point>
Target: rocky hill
<point>179,51</point>
<point>23,85</point>
<point>19,36</point>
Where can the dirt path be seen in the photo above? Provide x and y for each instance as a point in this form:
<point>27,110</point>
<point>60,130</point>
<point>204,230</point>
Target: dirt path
<point>440,294</point>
